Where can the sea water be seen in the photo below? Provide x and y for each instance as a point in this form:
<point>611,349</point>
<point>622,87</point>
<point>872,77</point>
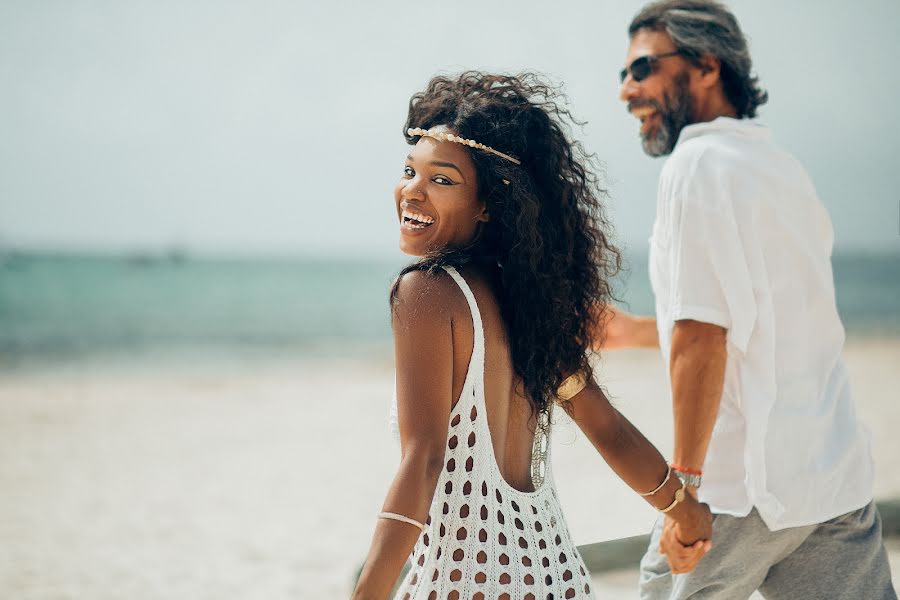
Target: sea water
<point>65,309</point>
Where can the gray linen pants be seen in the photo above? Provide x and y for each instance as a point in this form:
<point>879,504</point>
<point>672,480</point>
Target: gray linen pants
<point>840,558</point>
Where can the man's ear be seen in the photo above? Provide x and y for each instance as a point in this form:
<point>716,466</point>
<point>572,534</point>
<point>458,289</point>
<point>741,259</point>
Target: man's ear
<point>710,70</point>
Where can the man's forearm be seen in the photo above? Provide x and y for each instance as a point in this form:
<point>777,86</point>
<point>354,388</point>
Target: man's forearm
<point>645,332</point>
<point>697,370</point>
<point>619,329</point>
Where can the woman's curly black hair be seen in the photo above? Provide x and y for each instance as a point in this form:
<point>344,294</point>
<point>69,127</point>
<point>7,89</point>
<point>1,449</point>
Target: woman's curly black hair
<point>548,242</point>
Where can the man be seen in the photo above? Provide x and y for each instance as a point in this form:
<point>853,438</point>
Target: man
<point>765,428</point>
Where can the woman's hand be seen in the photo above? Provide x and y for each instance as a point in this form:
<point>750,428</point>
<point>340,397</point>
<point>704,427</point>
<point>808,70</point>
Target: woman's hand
<point>694,520</point>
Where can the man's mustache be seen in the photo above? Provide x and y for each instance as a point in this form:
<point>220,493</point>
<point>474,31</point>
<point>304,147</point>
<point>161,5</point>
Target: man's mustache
<point>641,103</point>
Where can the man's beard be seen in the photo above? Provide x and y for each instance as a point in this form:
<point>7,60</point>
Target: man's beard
<point>677,112</point>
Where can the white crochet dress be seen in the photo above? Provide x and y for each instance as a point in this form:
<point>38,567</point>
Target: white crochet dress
<point>485,540</point>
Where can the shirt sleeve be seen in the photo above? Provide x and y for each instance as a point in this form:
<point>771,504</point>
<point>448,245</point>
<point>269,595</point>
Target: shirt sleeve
<point>711,280</point>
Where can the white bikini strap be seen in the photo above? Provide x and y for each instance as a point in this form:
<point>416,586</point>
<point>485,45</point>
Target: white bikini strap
<point>478,350</point>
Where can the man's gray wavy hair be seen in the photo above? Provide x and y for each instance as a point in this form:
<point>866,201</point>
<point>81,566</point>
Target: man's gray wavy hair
<point>706,27</point>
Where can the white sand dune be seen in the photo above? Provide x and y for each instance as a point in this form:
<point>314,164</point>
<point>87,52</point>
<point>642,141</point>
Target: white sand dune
<point>264,482</point>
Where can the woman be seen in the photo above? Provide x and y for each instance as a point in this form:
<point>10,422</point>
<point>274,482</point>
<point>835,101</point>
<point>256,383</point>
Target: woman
<point>492,327</point>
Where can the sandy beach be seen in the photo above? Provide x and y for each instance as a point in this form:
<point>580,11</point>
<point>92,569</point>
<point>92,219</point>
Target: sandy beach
<point>263,482</point>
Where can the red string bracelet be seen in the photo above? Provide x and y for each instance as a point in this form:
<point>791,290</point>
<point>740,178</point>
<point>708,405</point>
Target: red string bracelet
<point>686,470</point>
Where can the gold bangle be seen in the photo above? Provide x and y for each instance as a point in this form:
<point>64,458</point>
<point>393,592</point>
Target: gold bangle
<point>679,496</point>
<point>571,386</point>
<point>660,486</point>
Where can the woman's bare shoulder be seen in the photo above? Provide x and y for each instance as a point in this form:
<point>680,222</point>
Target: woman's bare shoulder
<point>429,296</point>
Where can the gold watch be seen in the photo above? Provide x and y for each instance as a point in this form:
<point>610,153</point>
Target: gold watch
<point>679,496</point>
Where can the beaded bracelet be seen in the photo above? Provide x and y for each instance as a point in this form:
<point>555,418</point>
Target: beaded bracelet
<point>686,470</point>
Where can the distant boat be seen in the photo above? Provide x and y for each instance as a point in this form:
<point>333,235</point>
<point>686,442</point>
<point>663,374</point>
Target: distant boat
<point>140,260</point>
<point>174,255</point>
<point>12,259</point>
<point>177,255</point>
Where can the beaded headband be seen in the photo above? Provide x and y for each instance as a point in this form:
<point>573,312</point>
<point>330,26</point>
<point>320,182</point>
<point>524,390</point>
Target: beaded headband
<point>449,137</point>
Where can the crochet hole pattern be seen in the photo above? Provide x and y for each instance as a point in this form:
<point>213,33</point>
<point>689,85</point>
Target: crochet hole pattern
<point>485,539</point>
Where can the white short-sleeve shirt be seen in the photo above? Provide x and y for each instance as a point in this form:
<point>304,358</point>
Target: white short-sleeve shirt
<point>741,240</point>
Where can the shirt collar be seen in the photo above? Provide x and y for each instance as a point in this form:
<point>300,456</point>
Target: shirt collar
<point>748,127</point>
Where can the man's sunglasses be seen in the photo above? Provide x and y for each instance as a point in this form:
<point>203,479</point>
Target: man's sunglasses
<point>641,68</point>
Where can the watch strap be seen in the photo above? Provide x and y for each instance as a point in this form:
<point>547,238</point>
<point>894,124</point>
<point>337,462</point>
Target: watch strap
<point>691,479</point>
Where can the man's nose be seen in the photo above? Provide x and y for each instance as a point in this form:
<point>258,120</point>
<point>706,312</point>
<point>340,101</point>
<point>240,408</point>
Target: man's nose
<point>629,89</point>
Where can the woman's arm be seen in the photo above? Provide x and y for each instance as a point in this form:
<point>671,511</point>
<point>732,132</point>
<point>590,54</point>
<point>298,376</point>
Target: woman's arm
<point>636,460</point>
<point>423,347</point>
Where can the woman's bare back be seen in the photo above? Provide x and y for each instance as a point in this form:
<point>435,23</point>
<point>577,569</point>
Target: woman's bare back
<point>510,418</point>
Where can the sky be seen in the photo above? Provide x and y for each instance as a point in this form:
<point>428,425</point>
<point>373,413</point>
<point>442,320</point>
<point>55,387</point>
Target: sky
<point>274,128</point>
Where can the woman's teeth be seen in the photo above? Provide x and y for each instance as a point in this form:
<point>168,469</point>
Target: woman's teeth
<point>414,220</point>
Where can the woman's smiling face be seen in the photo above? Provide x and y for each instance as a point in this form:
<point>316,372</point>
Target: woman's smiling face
<point>437,198</point>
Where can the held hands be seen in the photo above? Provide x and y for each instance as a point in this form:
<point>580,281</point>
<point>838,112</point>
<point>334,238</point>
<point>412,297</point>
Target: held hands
<point>687,540</point>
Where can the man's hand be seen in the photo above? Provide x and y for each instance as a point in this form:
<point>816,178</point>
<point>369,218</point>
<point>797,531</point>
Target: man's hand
<point>687,534</point>
<point>682,558</point>
<point>617,329</point>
